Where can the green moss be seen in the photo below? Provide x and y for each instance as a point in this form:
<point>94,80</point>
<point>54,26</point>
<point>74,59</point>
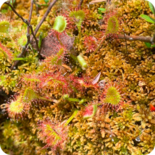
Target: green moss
<point>4,26</point>
<point>22,40</point>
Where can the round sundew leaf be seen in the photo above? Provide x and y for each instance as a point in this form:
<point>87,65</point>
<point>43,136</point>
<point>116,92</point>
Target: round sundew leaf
<point>60,24</point>
<point>79,16</point>
<point>4,26</point>
<point>113,25</point>
<point>16,107</point>
<point>112,96</point>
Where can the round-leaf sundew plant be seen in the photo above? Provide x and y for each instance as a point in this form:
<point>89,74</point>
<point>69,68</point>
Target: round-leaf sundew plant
<point>16,108</point>
<point>78,17</point>
<point>54,135</point>
<point>112,95</point>
<point>113,25</point>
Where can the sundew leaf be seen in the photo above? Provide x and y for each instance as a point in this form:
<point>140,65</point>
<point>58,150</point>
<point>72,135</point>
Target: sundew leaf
<point>5,51</point>
<point>113,25</point>
<point>79,16</point>
<point>60,24</point>
<point>57,59</point>
<point>90,111</point>
<point>147,18</point>
<point>152,8</point>
<point>29,95</point>
<point>51,132</point>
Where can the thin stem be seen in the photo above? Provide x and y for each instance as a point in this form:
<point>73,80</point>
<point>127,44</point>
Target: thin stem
<point>30,15</point>
<point>28,33</point>
<point>44,17</point>
<point>79,6</point>
<point>15,11</point>
<point>138,38</point>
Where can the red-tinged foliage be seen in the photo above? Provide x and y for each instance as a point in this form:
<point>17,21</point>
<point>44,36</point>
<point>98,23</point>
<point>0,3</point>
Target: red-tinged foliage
<point>90,43</point>
<point>15,107</point>
<point>88,111</point>
<point>112,96</point>
<point>84,82</point>
<point>8,53</point>
<point>54,135</point>
<point>70,23</point>
<point>55,41</point>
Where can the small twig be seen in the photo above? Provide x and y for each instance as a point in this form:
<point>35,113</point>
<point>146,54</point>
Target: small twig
<point>15,11</point>
<point>130,38</point>
<point>30,27</point>
<point>30,15</point>
<point>44,17</point>
<point>97,1</point>
<point>138,38</point>
<point>22,53</point>
<point>79,6</point>
<point>28,33</point>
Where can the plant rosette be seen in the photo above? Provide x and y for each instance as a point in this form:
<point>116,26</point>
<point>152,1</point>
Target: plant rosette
<point>16,108</point>
<point>54,135</point>
<point>112,96</point>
